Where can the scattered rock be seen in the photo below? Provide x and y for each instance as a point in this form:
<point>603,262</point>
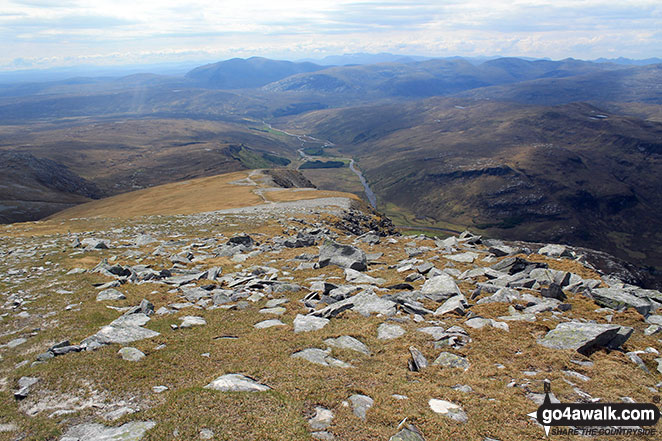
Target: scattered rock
<point>236,383</point>
<point>321,357</point>
<point>344,256</point>
<point>190,320</point>
<point>554,291</point>
<point>449,360</point>
<point>24,386</point>
<point>440,288</point>
<point>132,431</point>
<point>268,324</point>
<point>618,299</point>
<point>131,354</point>
<point>386,331</point>
<point>110,294</point>
<point>446,408</point>
<point>417,362</point>
<point>454,305</point>
<point>409,433</point>
<point>347,342</point>
<point>307,323</point>
<point>361,404</point>
<point>322,419</point>
<point>582,337</point>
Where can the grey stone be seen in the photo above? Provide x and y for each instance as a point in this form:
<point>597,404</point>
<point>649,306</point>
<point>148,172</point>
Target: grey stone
<point>366,303</point>
<point>133,431</point>
<point>24,386</point>
<point>333,309</point>
<point>110,294</point>
<point>94,244</point>
<point>118,413</point>
<point>206,434</point>
<point>361,404</point>
<point>387,331</point>
<point>418,362</point>
<point>440,287</point>
<point>275,302</point>
<point>448,409</point>
<point>236,383</point>
<point>554,291</point>
<point>449,360</point>
<point>467,257</point>
<point>437,332</point>
<point>307,323</point>
<point>409,433</point>
<point>322,419</point>
<point>618,299</point>
<point>278,310</point>
<point>582,337</point>
<point>359,278</point>
<point>131,354</point>
<point>321,357</point>
<point>344,256</point>
<point>554,251</point>
<point>16,342</point>
<point>268,324</point>
<point>623,334</point>
<point>190,320</point>
<point>347,342</point>
<point>480,322</point>
<point>455,305</point>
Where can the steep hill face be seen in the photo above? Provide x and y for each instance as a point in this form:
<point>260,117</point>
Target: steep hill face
<point>239,73</point>
<point>33,188</point>
<point>571,174</point>
<point>305,319</point>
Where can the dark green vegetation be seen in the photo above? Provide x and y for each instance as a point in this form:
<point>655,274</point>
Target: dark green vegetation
<point>557,151</point>
<point>322,164</point>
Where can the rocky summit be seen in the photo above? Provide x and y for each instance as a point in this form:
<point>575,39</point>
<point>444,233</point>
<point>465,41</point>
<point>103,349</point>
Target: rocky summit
<point>299,320</point>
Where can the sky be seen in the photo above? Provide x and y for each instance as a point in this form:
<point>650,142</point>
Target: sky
<point>38,34</point>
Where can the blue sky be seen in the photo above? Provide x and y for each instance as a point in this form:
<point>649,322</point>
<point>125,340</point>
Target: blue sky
<point>45,33</point>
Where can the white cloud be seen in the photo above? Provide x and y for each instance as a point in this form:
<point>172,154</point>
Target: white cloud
<point>115,31</point>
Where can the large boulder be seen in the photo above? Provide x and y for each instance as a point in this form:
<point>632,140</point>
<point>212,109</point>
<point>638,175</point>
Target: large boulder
<point>616,298</point>
<point>344,256</point>
<point>440,288</point>
<point>582,337</point>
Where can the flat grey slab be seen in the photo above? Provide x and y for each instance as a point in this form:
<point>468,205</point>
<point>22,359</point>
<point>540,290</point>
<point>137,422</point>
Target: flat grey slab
<point>268,324</point>
<point>361,404</point>
<point>236,383</point>
<point>132,431</point>
<point>347,342</point>
<point>387,331</point>
<point>581,337</point>
<point>307,323</point>
<point>321,357</point>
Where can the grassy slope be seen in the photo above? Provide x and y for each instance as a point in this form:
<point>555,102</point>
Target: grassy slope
<point>232,190</point>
